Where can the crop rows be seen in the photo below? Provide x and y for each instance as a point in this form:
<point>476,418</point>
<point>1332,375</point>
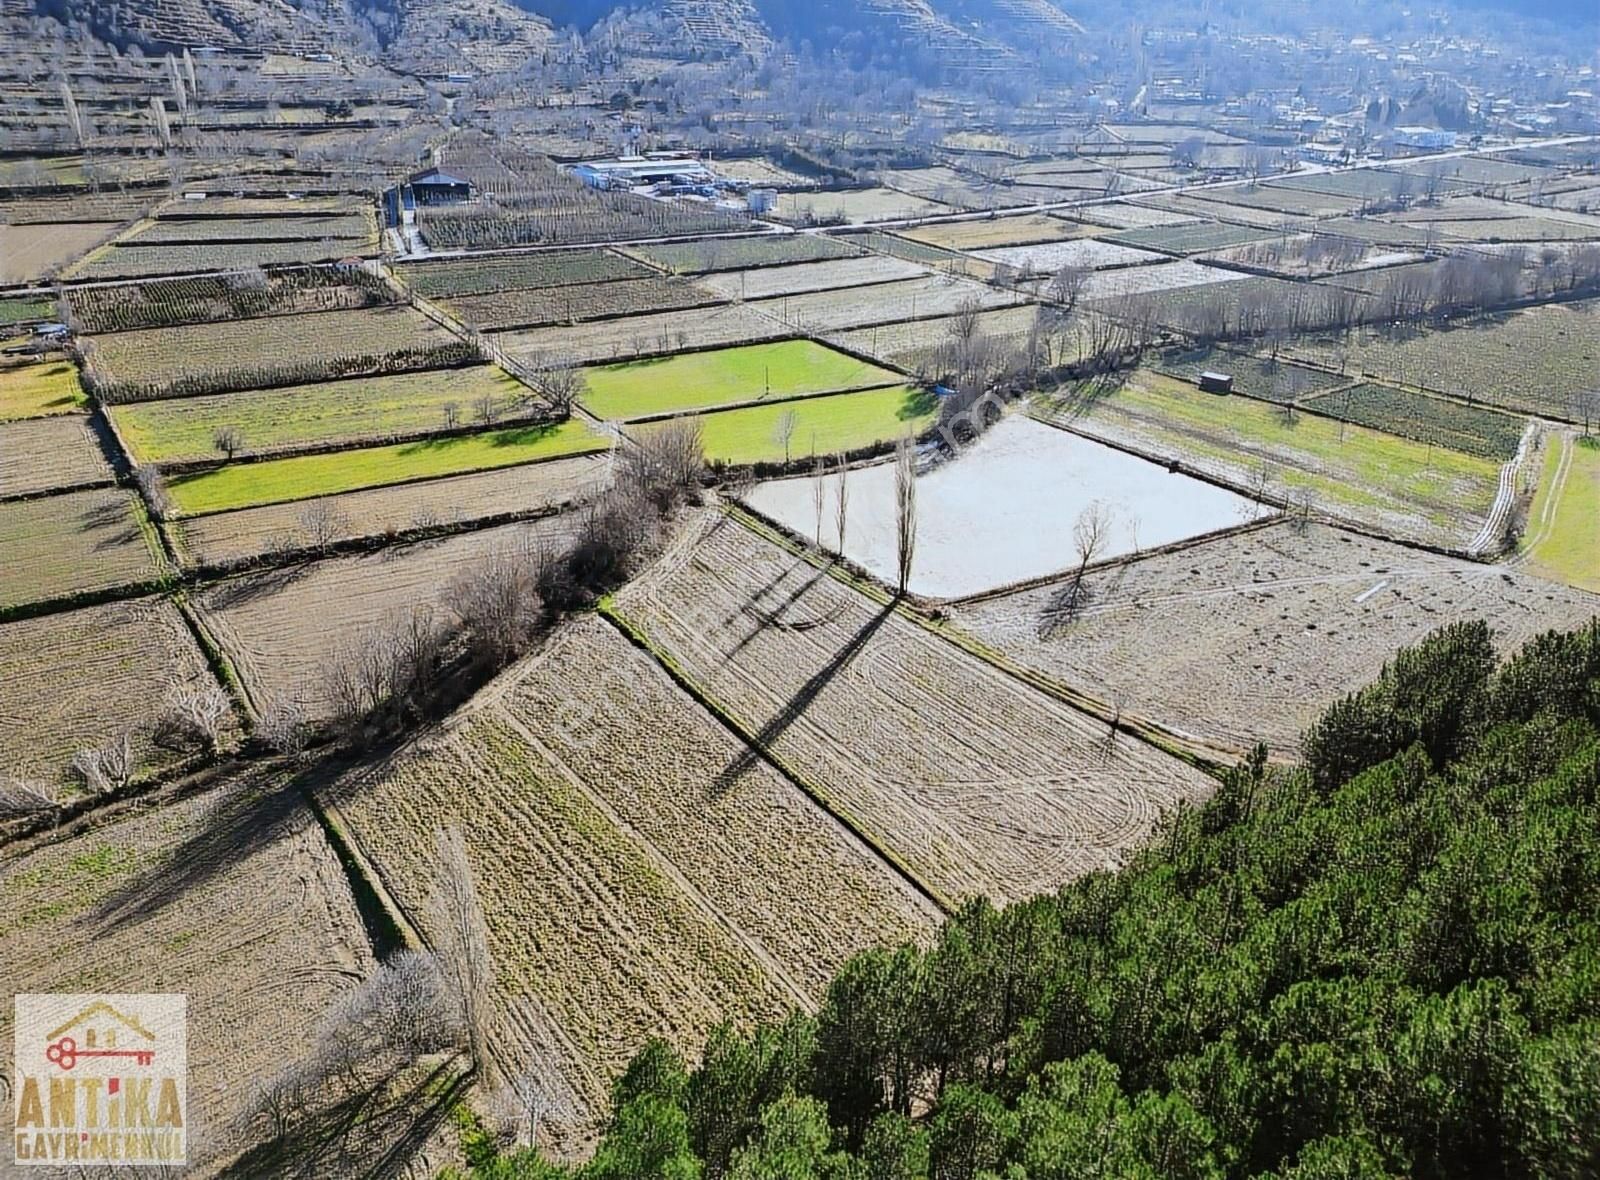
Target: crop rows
<point>74,543</point>
<point>160,303</point>
<point>714,254</point>
<point>769,281</point>
<point>133,261</point>
<point>271,350</point>
<point>1425,419</point>
<point>45,454</point>
<point>575,302</point>
<point>1189,239</point>
<point>198,230</point>
<point>886,303</point>
<point>631,336</point>
<point>511,272</point>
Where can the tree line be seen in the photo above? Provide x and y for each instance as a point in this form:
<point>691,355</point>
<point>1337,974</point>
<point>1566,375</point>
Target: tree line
<point>1380,963</point>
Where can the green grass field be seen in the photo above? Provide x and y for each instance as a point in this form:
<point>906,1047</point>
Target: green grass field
<point>703,380</point>
<point>17,311</point>
<point>1559,541</point>
<point>32,391</point>
<point>822,425</point>
<point>1432,492</point>
<point>328,411</point>
<point>275,481</point>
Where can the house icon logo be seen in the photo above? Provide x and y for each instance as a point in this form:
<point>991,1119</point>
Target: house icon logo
<point>99,1026</point>
<point>100,1080</point>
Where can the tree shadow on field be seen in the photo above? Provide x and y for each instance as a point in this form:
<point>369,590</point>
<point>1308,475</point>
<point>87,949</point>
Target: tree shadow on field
<point>249,587</point>
<point>808,692</point>
<point>376,1130</point>
<point>245,816</point>
<point>767,618</point>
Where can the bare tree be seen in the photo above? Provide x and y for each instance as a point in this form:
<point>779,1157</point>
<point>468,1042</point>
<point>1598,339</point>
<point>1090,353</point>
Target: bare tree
<point>461,943</point>
<point>107,767</point>
<point>1090,534</point>
<point>284,728</point>
<point>562,383</point>
<point>20,796</point>
<point>487,409</point>
<point>323,524</point>
<point>819,498</point>
<point>193,717</point>
<point>783,431</point>
<point>905,514</point>
<point>499,605</point>
<point>452,415</point>
<point>228,439</point>
<point>1586,407</point>
<point>841,505</point>
<point>1066,286</point>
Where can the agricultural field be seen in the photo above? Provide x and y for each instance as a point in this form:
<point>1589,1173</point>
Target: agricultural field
<point>33,389</point>
<point>912,344</point>
<point>24,310</point>
<point>243,534</point>
<point>1125,215</point>
<point>71,679</point>
<point>1371,185</point>
<point>1246,302</point>
<point>716,254</point>
<point>1086,253</point>
<point>979,519</point>
<point>49,454</point>
<point>343,227</point>
<point>643,335</point>
<point>199,299</point>
<point>230,895</point>
<point>574,303</point>
<point>1196,238</point>
<point>700,380</point>
<point>762,173</point>
<point>1259,377</point>
<point>769,281</point>
<point>935,257</point>
<point>281,628</point>
<point>1250,637</point>
<point>717,888</point>
<point>1196,207</point>
<point>1379,231</point>
<point>1535,361</point>
<point>134,261</point>
<point>1476,171</point>
<point>455,277</point>
<point>990,232</point>
<point>302,477</point>
<point>360,408</point>
<point>1405,488</point>
<point>1276,199</point>
<point>1433,420</point>
<point>857,207</point>
<point>825,425</point>
<point>1161,277</point>
<point>887,303</point>
<point>244,354</point>
<point>1520,229</point>
<point>1564,519</point>
<point>31,252</point>
<point>874,711</point>
<point>75,543</point>
<point>1301,256</point>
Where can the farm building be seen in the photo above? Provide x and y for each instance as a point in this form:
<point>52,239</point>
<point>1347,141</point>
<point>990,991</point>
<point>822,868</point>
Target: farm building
<point>436,187</point>
<point>1425,138</point>
<point>1214,382</point>
<point>628,171</point>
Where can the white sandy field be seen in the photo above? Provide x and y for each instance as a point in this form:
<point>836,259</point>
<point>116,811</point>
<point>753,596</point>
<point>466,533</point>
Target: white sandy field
<point>1003,511</point>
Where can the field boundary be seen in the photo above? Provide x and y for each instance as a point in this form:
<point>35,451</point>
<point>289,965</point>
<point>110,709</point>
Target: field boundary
<point>785,399</point>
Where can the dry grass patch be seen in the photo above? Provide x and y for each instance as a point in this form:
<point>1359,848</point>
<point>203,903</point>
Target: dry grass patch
<point>31,252</point>
<point>75,543</point>
<point>50,454</point>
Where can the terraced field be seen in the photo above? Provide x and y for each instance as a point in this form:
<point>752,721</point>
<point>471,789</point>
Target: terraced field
<point>713,887</point>
<point>575,302</point>
<point>887,303</point>
<point>643,335</point>
<point>697,380</point>
<point>244,354</point>
<point>875,712</point>
<point>455,277</point>
<point>1406,488</point>
<point>72,680</point>
<point>226,895</point>
<point>320,412</point>
<point>826,425</point>
<point>1251,637</point>
<point>74,543</point>
<point>719,254</point>
<point>1559,540</point>
<point>1425,419</point>
<point>281,628</point>
<point>49,454</point>
<point>225,537</point>
<point>767,281</point>
<point>301,477</point>
<point>1532,361</point>
<point>36,389</point>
